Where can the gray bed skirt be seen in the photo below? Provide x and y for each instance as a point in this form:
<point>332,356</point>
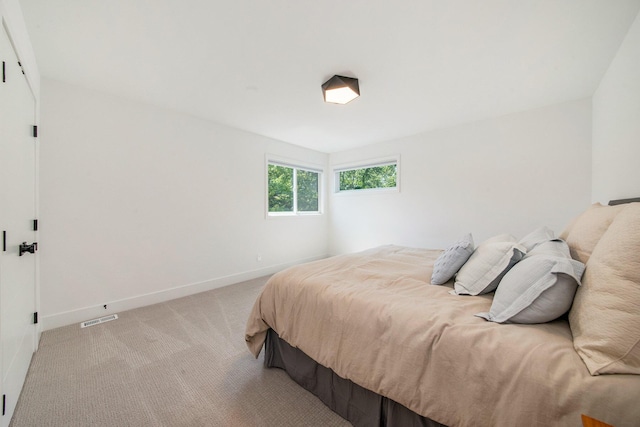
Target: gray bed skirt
<point>358,405</point>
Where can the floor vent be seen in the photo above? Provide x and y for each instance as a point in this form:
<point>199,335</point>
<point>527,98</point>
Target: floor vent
<point>98,321</point>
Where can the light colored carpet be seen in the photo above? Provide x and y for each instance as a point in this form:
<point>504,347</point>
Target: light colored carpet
<point>179,363</point>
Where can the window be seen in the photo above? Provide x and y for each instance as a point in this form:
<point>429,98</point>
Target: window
<point>292,190</point>
<point>376,175</point>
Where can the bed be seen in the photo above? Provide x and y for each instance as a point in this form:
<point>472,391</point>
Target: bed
<point>380,345</point>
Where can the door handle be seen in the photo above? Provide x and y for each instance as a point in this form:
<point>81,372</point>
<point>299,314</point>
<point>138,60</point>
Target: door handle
<point>32,248</point>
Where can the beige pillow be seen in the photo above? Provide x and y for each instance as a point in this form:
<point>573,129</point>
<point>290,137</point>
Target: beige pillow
<point>605,316</point>
<point>584,232</point>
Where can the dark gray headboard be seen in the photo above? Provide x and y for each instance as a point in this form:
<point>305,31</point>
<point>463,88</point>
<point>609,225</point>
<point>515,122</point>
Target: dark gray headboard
<point>621,201</point>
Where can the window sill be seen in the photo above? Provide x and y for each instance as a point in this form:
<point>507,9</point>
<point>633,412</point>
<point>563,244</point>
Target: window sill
<point>293,215</point>
<point>367,191</point>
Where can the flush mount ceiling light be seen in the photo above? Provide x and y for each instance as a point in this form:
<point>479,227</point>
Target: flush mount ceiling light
<point>340,90</point>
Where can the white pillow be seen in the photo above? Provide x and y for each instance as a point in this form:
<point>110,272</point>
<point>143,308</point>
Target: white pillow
<point>539,235</point>
<point>450,261</point>
<point>551,247</point>
<point>538,289</point>
<point>486,266</point>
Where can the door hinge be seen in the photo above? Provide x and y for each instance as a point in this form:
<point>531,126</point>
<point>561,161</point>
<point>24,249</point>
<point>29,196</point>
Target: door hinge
<point>21,68</point>
<point>35,225</point>
<point>4,403</point>
<point>35,318</point>
<point>4,241</point>
<point>35,131</point>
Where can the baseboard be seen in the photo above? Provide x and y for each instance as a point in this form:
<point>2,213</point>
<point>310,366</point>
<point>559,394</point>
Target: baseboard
<point>76,316</point>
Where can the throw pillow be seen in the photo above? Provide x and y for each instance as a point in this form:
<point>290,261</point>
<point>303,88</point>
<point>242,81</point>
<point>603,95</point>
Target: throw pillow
<point>538,289</point>
<point>605,316</point>
<point>450,261</point>
<point>487,265</point>
<point>539,235</point>
<point>585,231</point>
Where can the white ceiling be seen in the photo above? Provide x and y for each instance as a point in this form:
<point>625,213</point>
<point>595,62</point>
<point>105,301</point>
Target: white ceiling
<point>258,65</point>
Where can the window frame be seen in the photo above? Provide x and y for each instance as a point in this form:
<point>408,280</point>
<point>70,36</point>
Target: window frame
<point>295,165</point>
<point>371,163</point>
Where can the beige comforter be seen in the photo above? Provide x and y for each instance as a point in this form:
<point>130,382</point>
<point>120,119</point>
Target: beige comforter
<point>372,317</point>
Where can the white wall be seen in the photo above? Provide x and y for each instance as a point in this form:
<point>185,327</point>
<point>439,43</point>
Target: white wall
<point>509,174</point>
<point>616,124</point>
<point>14,20</point>
<point>137,201</point>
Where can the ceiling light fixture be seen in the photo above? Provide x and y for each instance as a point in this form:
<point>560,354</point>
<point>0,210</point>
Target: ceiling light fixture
<point>340,89</point>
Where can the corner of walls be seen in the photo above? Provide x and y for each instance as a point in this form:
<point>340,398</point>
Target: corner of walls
<point>504,175</point>
<point>616,124</point>
<point>140,204</point>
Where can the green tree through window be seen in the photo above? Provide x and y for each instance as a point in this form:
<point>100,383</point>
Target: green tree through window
<point>307,191</point>
<point>280,189</point>
<point>368,178</point>
<point>283,180</point>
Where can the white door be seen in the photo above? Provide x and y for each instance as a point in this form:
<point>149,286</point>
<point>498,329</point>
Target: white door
<point>17,212</point>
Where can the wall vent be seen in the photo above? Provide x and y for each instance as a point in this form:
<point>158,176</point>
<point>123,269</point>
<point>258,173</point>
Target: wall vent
<point>98,321</point>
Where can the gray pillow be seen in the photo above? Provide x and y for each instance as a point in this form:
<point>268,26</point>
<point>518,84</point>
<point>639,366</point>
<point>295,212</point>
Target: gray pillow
<point>450,261</point>
<point>487,265</point>
<point>538,289</point>
<point>537,236</point>
<point>555,247</point>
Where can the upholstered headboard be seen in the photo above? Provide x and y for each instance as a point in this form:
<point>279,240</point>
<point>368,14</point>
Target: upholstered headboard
<point>621,201</point>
